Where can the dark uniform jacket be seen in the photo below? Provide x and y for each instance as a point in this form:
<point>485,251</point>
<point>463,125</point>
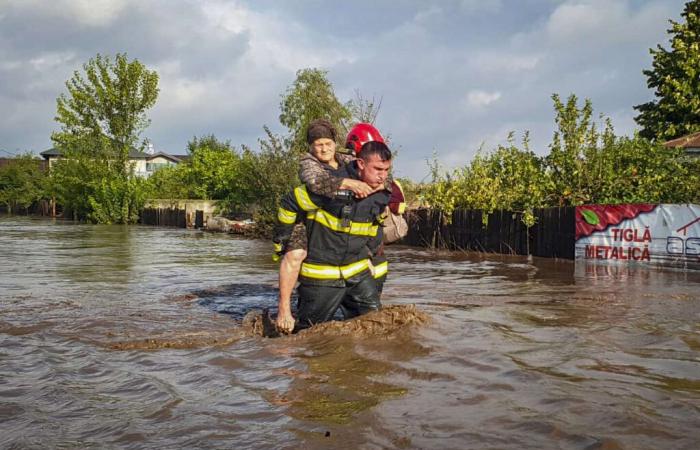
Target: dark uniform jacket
<point>343,232</point>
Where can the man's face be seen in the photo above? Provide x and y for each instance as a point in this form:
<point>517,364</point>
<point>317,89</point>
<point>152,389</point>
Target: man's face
<point>323,149</point>
<point>373,171</point>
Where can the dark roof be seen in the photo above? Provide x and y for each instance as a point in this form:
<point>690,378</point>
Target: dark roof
<point>176,158</point>
<point>133,154</point>
<point>688,141</point>
<point>50,152</point>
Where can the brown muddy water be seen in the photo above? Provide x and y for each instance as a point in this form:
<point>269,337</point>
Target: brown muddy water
<point>137,337</point>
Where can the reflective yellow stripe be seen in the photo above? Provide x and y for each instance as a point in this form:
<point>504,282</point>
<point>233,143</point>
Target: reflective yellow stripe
<point>381,269</point>
<point>303,199</point>
<point>323,272</point>
<point>286,216</point>
<point>277,246</point>
<point>354,268</point>
<point>330,221</point>
<point>402,207</point>
<point>319,272</point>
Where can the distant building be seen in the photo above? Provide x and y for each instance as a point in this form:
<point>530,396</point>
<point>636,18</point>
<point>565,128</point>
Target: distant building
<point>144,163</point>
<point>690,143</point>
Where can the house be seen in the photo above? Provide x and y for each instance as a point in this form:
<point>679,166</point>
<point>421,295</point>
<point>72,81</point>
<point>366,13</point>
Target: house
<point>144,163</point>
<point>690,143</point>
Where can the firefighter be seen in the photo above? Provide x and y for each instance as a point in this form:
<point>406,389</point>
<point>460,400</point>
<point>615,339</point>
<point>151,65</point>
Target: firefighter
<point>343,234</point>
<point>394,223</point>
<point>318,171</point>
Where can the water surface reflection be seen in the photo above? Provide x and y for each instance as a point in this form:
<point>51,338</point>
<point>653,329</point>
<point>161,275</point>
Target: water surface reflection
<point>518,353</point>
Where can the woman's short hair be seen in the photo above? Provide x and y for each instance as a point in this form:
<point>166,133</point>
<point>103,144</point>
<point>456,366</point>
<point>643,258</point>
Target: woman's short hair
<point>318,129</point>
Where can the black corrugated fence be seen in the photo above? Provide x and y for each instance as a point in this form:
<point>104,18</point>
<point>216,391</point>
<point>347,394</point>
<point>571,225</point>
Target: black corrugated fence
<point>164,217</point>
<point>552,235</point>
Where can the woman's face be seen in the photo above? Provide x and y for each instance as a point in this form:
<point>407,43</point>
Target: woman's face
<point>323,149</point>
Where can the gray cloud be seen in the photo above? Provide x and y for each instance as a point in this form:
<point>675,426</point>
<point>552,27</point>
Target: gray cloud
<point>452,74</point>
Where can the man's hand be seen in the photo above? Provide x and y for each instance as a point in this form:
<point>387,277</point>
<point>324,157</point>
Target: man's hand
<point>285,321</point>
<point>359,188</point>
<point>371,268</point>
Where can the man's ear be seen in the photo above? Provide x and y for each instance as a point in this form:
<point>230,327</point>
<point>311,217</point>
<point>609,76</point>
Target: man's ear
<point>360,163</point>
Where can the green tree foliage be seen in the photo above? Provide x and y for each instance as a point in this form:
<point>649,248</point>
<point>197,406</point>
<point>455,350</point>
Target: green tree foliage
<point>311,97</point>
<point>212,169</point>
<point>573,162</point>
<point>106,106</point>
<point>102,117</point>
<point>243,181</point>
<point>675,79</point>
<point>585,165</point>
<point>91,189</point>
<point>508,178</point>
<point>270,174</point>
<point>22,183</point>
<point>116,200</point>
<point>170,182</point>
<point>636,170</point>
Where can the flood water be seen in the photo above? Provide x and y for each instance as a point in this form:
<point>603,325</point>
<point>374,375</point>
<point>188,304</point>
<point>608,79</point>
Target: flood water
<point>132,337</point>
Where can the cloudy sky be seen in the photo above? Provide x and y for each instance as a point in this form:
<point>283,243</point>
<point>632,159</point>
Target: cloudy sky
<point>452,75</point>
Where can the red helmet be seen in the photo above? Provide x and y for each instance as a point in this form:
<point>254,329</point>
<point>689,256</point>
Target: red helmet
<point>360,134</point>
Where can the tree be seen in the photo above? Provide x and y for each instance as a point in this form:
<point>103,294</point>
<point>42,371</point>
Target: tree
<point>675,79</point>
<point>212,169</point>
<point>266,176</point>
<point>310,97</point>
<point>102,118</point>
<point>106,107</point>
<point>572,151</point>
<point>364,109</point>
<point>507,178</point>
<point>586,164</point>
<point>22,183</point>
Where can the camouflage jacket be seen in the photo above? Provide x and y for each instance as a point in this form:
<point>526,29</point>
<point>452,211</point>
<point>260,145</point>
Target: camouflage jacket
<point>318,177</point>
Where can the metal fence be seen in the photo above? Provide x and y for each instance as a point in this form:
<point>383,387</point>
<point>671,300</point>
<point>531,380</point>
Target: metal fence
<point>164,217</point>
<point>552,236</point>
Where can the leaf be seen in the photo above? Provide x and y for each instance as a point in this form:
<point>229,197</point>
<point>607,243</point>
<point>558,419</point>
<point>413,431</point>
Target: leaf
<point>590,216</point>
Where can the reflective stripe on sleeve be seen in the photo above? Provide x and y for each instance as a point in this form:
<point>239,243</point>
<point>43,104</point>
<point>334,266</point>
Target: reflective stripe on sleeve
<point>302,197</point>
<point>381,269</point>
<point>286,216</point>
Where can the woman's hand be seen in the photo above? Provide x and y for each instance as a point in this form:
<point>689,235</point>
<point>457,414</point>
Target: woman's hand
<point>359,188</point>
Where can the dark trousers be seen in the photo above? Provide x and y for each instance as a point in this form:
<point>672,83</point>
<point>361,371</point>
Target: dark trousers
<point>380,284</point>
<point>318,303</point>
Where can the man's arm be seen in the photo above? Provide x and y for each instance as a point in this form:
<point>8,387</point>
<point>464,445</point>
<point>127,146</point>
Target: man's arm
<point>287,215</point>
